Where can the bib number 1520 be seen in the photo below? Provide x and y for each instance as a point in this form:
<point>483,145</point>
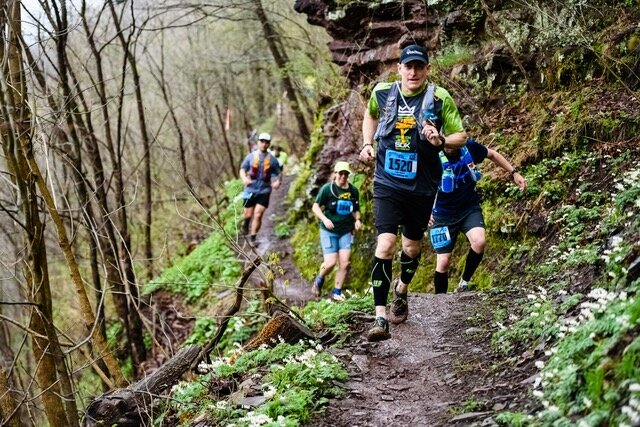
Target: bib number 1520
<point>401,165</point>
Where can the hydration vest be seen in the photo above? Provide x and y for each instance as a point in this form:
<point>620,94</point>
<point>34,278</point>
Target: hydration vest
<point>266,167</point>
<point>388,117</point>
<point>449,181</point>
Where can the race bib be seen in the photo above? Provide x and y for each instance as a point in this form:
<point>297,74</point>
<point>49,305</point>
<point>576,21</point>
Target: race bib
<point>440,237</point>
<point>344,207</point>
<point>401,165</point>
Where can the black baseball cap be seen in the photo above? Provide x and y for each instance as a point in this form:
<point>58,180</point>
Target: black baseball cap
<point>414,52</point>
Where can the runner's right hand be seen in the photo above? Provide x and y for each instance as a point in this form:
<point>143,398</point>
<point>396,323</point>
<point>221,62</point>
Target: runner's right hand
<point>328,224</point>
<point>367,154</point>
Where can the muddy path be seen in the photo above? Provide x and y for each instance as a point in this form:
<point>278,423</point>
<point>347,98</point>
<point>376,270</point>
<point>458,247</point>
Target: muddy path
<point>436,370</point>
<point>288,285</point>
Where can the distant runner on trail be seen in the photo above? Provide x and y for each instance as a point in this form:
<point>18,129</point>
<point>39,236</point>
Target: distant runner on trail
<point>281,156</point>
<point>410,121</point>
<point>457,209</point>
<point>260,173</point>
<point>337,206</point>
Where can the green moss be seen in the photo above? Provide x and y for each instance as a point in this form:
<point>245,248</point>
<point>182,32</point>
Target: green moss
<point>307,254</point>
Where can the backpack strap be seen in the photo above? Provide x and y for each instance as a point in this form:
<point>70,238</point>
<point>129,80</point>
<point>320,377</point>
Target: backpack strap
<point>266,167</point>
<point>465,156</point>
<point>427,112</point>
<point>388,113</point>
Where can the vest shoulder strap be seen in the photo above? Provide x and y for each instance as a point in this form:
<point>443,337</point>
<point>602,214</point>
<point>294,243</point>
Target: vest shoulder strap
<point>428,104</point>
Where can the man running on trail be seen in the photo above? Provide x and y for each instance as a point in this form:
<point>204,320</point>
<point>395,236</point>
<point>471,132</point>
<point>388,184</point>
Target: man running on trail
<point>260,173</point>
<point>282,157</point>
<point>337,206</point>
<point>457,209</point>
<point>411,122</point>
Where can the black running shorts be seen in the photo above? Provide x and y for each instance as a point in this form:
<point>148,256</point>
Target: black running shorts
<point>394,210</point>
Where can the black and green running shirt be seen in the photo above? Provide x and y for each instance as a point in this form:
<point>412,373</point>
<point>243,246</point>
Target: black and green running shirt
<point>338,204</point>
<point>405,162</point>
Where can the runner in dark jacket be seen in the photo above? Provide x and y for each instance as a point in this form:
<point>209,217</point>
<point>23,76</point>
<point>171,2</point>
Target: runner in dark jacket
<point>457,209</point>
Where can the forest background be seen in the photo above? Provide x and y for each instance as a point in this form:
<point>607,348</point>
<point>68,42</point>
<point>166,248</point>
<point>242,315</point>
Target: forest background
<point>123,125</point>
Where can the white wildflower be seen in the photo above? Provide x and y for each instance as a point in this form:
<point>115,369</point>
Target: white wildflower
<point>269,390</point>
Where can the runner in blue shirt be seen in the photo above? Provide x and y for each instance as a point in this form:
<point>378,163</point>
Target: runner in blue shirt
<point>457,209</point>
<point>260,173</point>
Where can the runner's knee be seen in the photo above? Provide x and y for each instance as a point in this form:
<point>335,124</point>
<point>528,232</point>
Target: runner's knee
<point>443,262</point>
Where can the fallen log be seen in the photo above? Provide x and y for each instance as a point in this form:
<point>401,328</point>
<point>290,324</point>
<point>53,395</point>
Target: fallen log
<point>129,407</point>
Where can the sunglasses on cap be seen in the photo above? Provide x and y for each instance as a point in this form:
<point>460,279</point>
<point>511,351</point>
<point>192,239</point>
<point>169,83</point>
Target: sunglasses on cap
<point>344,173</point>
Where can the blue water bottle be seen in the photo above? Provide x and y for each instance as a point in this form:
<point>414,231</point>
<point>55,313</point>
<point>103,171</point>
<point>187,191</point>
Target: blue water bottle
<point>448,181</point>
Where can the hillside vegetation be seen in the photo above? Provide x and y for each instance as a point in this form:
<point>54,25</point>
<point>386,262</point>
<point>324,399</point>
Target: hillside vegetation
<point>554,87</point>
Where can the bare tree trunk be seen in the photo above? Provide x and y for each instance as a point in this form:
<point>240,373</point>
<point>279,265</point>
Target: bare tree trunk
<point>164,89</point>
<point>271,37</point>
<point>127,300</point>
<point>8,408</point>
<point>82,134</point>
<point>146,140</point>
<point>51,372</point>
<point>18,150</point>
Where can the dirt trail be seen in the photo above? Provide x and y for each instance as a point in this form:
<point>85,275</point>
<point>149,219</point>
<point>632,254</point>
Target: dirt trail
<point>412,378</point>
<point>434,364</point>
<point>287,285</point>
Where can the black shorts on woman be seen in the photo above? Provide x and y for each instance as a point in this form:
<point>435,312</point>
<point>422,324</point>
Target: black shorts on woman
<point>394,209</point>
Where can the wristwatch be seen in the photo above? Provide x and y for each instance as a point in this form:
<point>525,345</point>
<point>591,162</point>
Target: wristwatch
<point>514,171</point>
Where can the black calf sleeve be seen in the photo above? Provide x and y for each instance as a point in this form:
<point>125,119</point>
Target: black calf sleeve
<point>472,262</point>
<point>408,267</point>
<point>381,280</point>
<point>441,282</point>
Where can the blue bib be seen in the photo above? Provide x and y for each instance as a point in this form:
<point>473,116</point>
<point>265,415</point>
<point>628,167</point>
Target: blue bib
<point>344,207</point>
<point>401,165</point>
<point>440,237</point>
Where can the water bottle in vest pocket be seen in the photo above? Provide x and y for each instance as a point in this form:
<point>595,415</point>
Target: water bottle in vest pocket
<point>448,181</point>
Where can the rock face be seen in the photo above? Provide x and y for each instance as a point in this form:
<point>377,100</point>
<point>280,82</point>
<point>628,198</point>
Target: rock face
<point>367,35</point>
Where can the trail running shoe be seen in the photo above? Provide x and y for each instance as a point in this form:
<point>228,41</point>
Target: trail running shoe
<point>399,307</point>
<point>463,286</point>
<point>337,297</point>
<point>379,331</point>
<point>317,285</point>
